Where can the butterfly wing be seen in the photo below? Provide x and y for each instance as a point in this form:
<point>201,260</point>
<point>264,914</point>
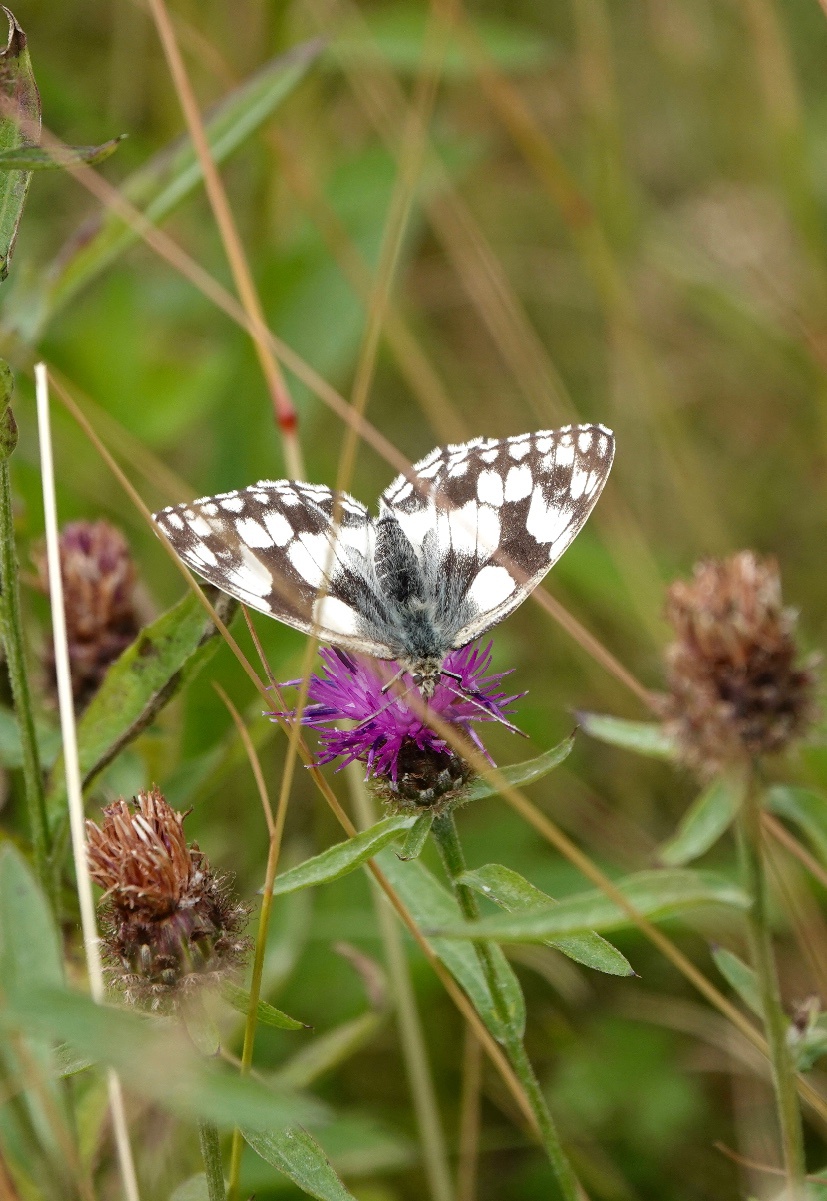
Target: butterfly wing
<point>274,546</point>
<point>489,518</point>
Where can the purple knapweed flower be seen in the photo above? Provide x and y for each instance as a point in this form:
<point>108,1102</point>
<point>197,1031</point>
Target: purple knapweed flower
<point>406,760</point>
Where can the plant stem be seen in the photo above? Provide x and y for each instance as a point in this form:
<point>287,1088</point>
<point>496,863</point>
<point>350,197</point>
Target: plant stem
<point>751,854</point>
<point>211,1154</point>
<point>414,1049</point>
<point>12,631</point>
<point>447,840</point>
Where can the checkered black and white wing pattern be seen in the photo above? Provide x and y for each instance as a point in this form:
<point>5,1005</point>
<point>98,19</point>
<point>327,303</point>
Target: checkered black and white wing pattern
<point>490,517</point>
<point>274,547</point>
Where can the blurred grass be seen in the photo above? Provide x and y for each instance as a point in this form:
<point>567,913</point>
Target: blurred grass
<point>687,309</point>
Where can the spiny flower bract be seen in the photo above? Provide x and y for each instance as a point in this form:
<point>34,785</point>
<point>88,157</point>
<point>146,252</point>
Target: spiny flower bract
<point>737,687</point>
<point>406,760</point>
<point>170,924</point>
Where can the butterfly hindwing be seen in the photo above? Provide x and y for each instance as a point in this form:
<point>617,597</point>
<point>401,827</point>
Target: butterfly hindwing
<point>272,546</point>
<point>495,515</point>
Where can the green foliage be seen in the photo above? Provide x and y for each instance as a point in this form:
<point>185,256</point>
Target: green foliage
<point>520,774</point>
<point>345,857</point>
<point>706,819</point>
<point>19,128</point>
<point>511,892</point>
<point>655,895</point>
<point>295,1153</point>
<point>267,1015</point>
<point>643,737</point>
<point>33,158</point>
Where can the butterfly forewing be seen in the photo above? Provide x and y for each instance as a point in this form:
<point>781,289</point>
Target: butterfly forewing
<point>493,516</point>
<point>275,547</point>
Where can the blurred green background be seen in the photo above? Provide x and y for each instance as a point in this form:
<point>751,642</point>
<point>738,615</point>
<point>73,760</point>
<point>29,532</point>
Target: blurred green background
<point>645,246</point>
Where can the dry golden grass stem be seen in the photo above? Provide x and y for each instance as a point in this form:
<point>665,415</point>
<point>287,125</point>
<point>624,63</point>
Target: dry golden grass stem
<point>74,787</point>
<point>469,1117</point>
<point>284,410</point>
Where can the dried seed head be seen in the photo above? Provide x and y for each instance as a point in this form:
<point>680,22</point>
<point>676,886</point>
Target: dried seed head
<point>736,687</point>
<point>170,925</point>
<point>98,586</point>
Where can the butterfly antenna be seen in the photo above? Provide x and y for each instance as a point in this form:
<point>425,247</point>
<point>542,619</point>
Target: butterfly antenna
<point>464,695</point>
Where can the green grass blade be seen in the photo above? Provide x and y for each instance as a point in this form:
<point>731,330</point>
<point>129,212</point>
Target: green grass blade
<point>710,816</point>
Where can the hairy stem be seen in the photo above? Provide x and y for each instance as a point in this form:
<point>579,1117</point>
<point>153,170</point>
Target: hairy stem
<point>414,1049</point>
<point>211,1155</point>
<point>12,631</point>
<point>753,868</point>
<point>445,833</point>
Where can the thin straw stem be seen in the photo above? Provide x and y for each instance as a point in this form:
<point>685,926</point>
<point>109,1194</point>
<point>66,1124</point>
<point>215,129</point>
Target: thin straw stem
<point>71,762</point>
<point>469,1117</point>
<point>285,412</point>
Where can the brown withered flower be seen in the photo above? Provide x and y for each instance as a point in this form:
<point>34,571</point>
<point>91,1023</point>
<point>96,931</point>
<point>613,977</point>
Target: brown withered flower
<point>98,591</point>
<point>170,925</point>
<point>736,686</point>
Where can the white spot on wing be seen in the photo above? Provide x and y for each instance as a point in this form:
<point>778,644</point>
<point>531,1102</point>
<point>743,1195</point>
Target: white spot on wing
<point>233,504</point>
<point>518,482</point>
<point>584,440</point>
<point>565,454</point>
<point>175,521</point>
<point>490,488</point>
<point>488,530</point>
<point>490,588</point>
<point>579,479</point>
<point>252,532</point>
<point>335,616</point>
<point>278,527</point>
<point>251,575</point>
<point>519,450</point>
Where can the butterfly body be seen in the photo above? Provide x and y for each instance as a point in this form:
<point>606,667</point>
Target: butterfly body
<point>458,544</point>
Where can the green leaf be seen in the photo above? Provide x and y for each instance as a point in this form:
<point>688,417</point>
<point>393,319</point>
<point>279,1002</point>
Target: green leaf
<point>11,750</point>
<point>19,126</point>
<point>519,774</point>
<point>267,1015</point>
<point>34,158</point>
<point>432,905</point>
<point>194,1189</point>
<point>344,857</point>
<point>645,737</point>
<point>704,822</point>
<point>30,949</point>
<point>161,185</point>
<point>655,894</point>
<point>295,1153</point>
<point>328,1050</point>
<point>512,892</point>
<point>806,809</point>
<point>156,1060</point>
<point>139,684</point>
<point>739,977</point>
<point>416,837</point>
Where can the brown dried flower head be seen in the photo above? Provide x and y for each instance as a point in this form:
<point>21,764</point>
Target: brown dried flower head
<point>737,689</point>
<point>170,925</point>
<point>98,589</point>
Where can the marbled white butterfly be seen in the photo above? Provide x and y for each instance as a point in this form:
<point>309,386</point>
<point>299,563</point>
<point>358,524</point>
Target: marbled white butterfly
<point>456,547</point>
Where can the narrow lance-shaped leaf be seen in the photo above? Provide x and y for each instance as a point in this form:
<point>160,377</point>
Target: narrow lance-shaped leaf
<point>655,894</point>
<point>157,1059</point>
<point>160,186</point>
<point>344,857</point>
<point>644,737</point>
<point>295,1153</point>
<point>19,126</point>
<point>431,905</point>
<point>512,892</point>
<point>266,1015</point>
<point>519,774</point>
<point>139,684</point>
<point>417,836</point>
<point>739,977</point>
<point>37,158</point>
<point>710,816</point>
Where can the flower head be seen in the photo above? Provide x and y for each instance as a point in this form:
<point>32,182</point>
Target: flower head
<point>408,762</point>
<point>737,689</point>
<point>98,586</point>
<point>170,924</point>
